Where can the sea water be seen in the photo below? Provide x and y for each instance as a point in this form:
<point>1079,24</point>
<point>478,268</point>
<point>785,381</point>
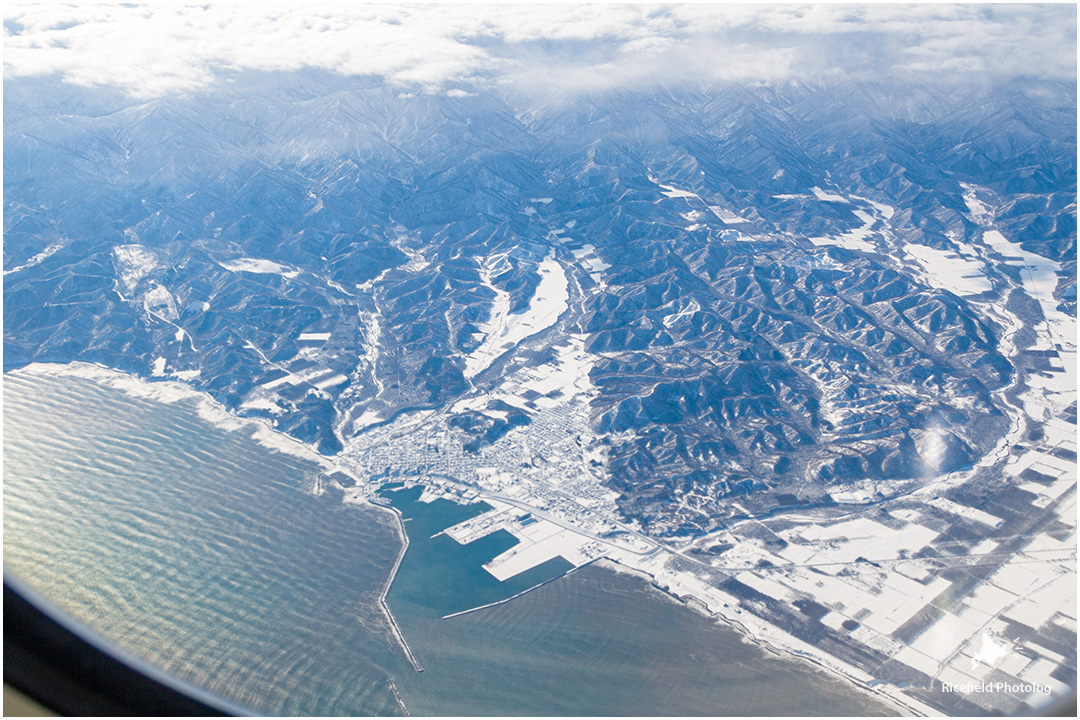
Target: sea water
<point>200,549</point>
<point>442,577</point>
<point>196,547</point>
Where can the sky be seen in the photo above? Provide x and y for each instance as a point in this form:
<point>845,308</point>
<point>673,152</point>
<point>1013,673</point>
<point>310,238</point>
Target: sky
<point>156,50</point>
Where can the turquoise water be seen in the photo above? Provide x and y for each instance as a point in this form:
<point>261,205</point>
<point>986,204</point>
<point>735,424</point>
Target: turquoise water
<point>600,643</point>
<point>439,576</point>
<point>198,549</point>
<point>594,642</point>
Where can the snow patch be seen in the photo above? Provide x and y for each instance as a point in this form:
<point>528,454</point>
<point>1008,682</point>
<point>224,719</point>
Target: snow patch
<point>262,267</point>
<point>134,262</point>
<point>262,404</point>
<point>159,301</point>
<point>368,417</point>
<point>853,239</point>
<point>586,255</point>
<point>886,211</point>
<point>674,192</point>
<point>828,197</point>
<point>51,250</point>
<point>979,212</point>
<point>692,307</point>
<point>727,216</point>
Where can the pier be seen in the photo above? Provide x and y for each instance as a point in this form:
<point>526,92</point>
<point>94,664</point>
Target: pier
<point>397,697</point>
<point>512,597</point>
<point>386,591</point>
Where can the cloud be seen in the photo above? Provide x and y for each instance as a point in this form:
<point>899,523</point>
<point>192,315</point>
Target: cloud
<point>154,50</point>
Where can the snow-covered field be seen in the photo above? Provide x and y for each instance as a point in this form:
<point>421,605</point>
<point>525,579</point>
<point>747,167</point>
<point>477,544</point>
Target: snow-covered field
<point>674,192</point>
<point>504,329</point>
<point>262,267</point>
<point>1039,276</point>
<point>951,271</point>
<point>828,197</point>
<point>568,373</point>
<point>728,216</point>
<point>587,256</point>
<point>885,211</point>
<point>853,239</point>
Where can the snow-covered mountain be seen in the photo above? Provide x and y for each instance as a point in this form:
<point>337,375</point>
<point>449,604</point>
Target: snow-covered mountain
<point>779,290</point>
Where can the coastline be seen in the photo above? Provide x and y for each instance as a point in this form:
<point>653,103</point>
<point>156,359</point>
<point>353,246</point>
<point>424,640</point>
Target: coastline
<point>244,556</point>
<point>784,647</point>
<point>767,637</point>
<point>209,409</point>
<point>170,390</point>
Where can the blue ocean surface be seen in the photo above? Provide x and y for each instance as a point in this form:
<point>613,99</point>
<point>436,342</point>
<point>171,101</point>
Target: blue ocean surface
<point>196,548</point>
<point>203,551</point>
